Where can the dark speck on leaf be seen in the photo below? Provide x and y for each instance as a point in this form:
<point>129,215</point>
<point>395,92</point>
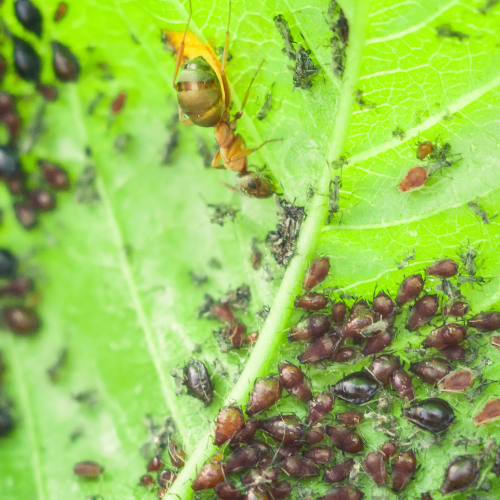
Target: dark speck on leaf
<point>445,31</point>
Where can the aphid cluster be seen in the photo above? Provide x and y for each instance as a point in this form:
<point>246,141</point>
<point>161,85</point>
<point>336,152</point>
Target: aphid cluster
<point>340,37</point>
<point>435,156</point>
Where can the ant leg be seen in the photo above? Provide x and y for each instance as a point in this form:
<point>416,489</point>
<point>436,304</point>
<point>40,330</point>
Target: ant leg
<point>248,152</point>
<point>225,83</point>
<point>180,54</point>
<point>239,114</point>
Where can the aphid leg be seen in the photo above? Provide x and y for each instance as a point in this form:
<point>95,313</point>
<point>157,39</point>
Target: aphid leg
<point>248,152</point>
<point>180,54</point>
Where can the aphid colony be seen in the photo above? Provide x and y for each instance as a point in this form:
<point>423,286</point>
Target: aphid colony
<point>265,456</point>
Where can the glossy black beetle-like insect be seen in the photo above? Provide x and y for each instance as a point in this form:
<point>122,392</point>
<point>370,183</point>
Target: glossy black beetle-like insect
<point>197,380</point>
<point>356,388</point>
<point>433,414</point>
<point>29,16</point>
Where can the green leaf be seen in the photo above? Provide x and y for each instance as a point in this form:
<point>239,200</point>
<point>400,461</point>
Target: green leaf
<point>113,274</point>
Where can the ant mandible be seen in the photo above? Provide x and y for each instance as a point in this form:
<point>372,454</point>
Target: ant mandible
<point>204,97</point>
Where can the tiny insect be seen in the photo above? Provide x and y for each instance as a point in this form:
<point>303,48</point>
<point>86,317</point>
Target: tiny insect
<point>319,407</point>
<point>489,413</point>
<point>316,273</point>
<point>344,439</point>
<point>446,336</point>
<point>209,476</point>
<point>60,12</point>
<point>488,6</point>
<point>118,103</point>
<point>197,380</point>
<point>266,107</point>
<point>20,319</point>
<point>65,63</point>
<point>485,216</point>
<point>433,414</point>
<point>461,473</point>
<point>311,328</point>
<point>230,421</point>
<point>27,62</point>
<point>88,470</point>
<point>403,385</point>
<point>399,133</point>
<point>338,472</point>
<point>431,370</point>
<point>445,31</point>
<point>266,392</point>
<point>485,321</point>
<point>282,26</point>
<point>295,382</point>
<point>410,289</point>
<point>424,149</point>
<point>299,467</point>
<point>375,468</point>
<point>445,268</point>
<point>422,312</point>
<point>323,348</point>
<point>333,199</point>
<point>361,101</point>
<point>403,469</point>
<point>356,388</point>
<point>462,280</point>
<point>305,69</point>
<point>29,16</point>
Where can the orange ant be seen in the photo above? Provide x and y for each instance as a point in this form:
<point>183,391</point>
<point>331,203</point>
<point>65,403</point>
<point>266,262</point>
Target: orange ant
<point>204,98</point>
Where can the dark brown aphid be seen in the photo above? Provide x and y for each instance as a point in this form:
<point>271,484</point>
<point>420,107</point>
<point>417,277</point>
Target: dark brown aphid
<point>312,328</point>
<point>389,450</point>
<point>161,493</point>
<point>489,413</point>
<point>445,268</point>
<point>146,480</point>
<point>155,464</point>
<point>256,258</point>
<point>285,429</point>
<point>48,92</point>
<point>410,289</point>
<point>25,214</point>
<point>403,469</point>
<point>457,309</point>
<point>41,200</point>
<point>166,478</point>
<point>343,493</point>
<point>230,421</point>
<point>356,388</point>
<point>299,467</point>
<point>422,312</point>
<point>320,455</point>
<point>266,392</point>
<point>462,473</point>
<point>382,367</point>
<point>377,343</point>
<point>426,496</point>
<point>322,348</point>
<point>16,183</point>
<point>338,472</point>
<point>424,149</point>
<point>27,62</point>
<point>252,338</point>
<point>20,319</point>
<point>316,273</point>
<point>319,407</point>
<point>60,11</point>
<point>403,385</point>
<point>485,321</point>
<point>431,370</point>
<point>197,380</point>
<point>247,433</point>
<point>177,454</point>
<point>54,175</point>
<point>88,469</point>
<point>19,287</point>
<point>209,476</point>
<point>311,301</point>
<point>282,490</point>
<point>415,177</point>
<point>384,305</point>
<point>453,353</point>
<point>118,103</point>
<point>291,450</point>
<point>339,311</point>
<point>295,382</point>
<point>243,458</point>
<point>228,491</point>
<point>446,336</point>
<point>457,381</point>
<point>29,16</point>
<point>433,414</point>
<point>344,439</point>
<point>344,354</point>
<point>8,263</point>
<point>359,322</point>
<point>65,63</point>
<point>375,467</point>
<point>352,418</point>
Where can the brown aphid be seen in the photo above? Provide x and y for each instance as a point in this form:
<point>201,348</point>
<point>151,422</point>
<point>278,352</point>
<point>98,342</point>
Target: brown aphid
<point>243,458</point>
<point>223,312</point>
<point>457,309</point>
<point>431,370</point>
<point>485,321</point>
<point>20,319</point>
<point>48,92</point>
<point>444,268</point>
<point>403,385</point>
<point>209,476</point>
<point>410,289</point>
<point>320,349</point>
<point>177,454</point>
<point>384,305</point>
<point>339,311</point>
<point>495,342</point>
<point>344,354</point>
<point>316,273</point>
<point>118,103</point>
<point>299,467</point>
<point>65,63</point>
<point>338,472</point>
<point>60,11</point>
<point>319,407</point>
<point>315,434</point>
<point>228,491</point>
<point>424,149</point>
<point>446,336</point>
<point>266,392</point>
<point>155,464</point>
<point>453,353</point>
<point>382,367</point>
<point>345,439</point>
<point>343,493</point>
<point>402,471</point>
<point>312,328</point>
<point>415,177</point>
<point>282,490</point>
<point>54,175</point>
<point>252,338</point>
<point>311,301</point>
<point>352,418</point>
<point>489,413</point>
<point>295,382</point>
<point>19,287</point>
<point>291,450</point>
<point>457,381</point>
<point>422,312</point>
<point>256,493</point>
<point>375,467</point>
<point>247,433</point>
<point>41,200</point>
<point>16,183</point>
<point>25,214</point>
<point>377,343</point>
<point>461,474</point>
<point>359,319</point>
<point>197,380</point>
<point>320,455</point>
<point>146,480</point>
<point>166,478</point>
<point>285,429</point>
<point>426,496</point>
<point>88,469</point>
<point>389,450</point>
<point>230,421</point>
<point>161,493</point>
